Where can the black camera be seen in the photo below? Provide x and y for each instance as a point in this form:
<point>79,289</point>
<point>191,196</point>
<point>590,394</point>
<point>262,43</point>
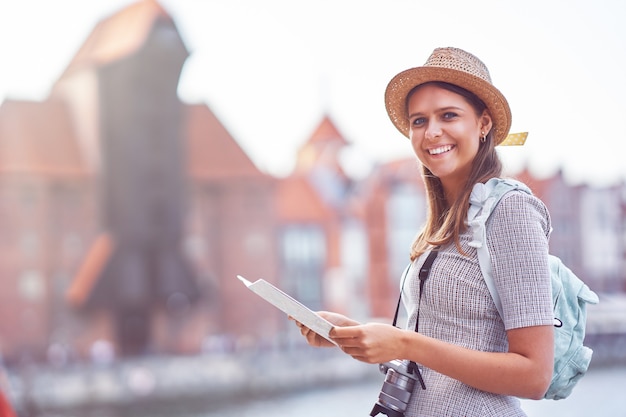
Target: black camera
<point>400,378</point>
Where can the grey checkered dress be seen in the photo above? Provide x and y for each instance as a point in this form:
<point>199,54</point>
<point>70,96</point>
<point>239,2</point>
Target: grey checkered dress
<point>456,306</point>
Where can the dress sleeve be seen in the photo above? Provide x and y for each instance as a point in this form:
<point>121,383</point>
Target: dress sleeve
<point>517,237</point>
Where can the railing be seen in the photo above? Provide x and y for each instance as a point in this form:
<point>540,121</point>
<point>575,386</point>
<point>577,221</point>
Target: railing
<point>215,378</point>
<point>211,378</point>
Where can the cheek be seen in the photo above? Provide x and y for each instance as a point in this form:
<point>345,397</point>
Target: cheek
<point>416,143</point>
<point>474,146</point>
<point>415,138</point>
<point>419,152</point>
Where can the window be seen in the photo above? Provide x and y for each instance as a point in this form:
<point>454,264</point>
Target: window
<point>406,213</point>
<point>303,249</point>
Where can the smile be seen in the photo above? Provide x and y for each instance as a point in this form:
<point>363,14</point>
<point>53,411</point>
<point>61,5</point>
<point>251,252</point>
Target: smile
<point>440,150</point>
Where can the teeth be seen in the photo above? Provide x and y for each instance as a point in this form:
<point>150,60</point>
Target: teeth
<point>440,150</point>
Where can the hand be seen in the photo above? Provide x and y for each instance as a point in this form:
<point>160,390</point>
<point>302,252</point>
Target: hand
<point>315,339</point>
<point>370,343</point>
<point>312,338</point>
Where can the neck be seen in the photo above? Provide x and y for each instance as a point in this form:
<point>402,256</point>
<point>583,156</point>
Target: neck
<point>451,192</point>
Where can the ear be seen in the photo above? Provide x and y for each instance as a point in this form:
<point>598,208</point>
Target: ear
<point>485,122</point>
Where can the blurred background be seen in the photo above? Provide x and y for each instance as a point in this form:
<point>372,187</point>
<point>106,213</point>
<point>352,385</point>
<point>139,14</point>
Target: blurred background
<point>151,151</point>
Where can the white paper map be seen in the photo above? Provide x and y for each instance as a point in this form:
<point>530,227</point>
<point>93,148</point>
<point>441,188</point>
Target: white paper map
<point>289,306</point>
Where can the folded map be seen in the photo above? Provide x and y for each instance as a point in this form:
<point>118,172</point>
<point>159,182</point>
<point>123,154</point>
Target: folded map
<point>290,306</point>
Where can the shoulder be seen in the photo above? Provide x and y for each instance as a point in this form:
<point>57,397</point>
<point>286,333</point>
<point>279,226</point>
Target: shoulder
<point>520,207</point>
<point>521,200</point>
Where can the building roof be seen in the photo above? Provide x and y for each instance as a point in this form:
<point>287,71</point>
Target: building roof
<point>327,131</point>
<point>212,153</point>
<point>298,202</point>
<point>118,35</point>
<point>38,138</point>
<point>322,148</point>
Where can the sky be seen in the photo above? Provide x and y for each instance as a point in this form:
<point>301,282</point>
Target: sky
<point>271,69</point>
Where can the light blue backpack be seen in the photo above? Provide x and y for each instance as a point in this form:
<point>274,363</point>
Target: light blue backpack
<point>569,294</point>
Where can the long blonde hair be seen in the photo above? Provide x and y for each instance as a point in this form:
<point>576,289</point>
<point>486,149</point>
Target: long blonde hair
<point>445,222</point>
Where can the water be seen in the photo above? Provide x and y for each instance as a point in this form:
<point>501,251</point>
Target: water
<point>602,392</point>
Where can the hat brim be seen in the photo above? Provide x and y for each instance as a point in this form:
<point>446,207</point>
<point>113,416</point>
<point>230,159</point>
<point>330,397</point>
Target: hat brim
<point>401,85</point>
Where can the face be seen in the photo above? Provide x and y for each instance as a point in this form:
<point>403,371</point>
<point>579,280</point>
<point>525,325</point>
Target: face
<point>445,133</point>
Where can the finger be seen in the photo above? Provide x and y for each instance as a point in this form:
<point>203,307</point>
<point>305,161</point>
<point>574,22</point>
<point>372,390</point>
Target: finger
<point>348,342</point>
<point>348,332</point>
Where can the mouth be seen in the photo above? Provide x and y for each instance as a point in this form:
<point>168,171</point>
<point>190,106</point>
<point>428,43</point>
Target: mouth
<point>440,150</point>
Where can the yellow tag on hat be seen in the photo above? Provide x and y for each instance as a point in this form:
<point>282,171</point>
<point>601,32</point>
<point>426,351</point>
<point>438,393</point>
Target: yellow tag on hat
<point>515,139</point>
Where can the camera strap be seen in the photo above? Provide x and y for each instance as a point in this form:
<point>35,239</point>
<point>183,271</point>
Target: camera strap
<point>423,276</point>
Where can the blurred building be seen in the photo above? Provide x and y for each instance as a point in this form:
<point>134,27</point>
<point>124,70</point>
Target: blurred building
<point>395,211</point>
<point>127,214</point>
<point>588,228</point>
<point>322,236</point>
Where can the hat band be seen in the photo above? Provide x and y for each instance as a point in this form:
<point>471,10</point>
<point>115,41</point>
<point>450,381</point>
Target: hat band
<point>514,139</point>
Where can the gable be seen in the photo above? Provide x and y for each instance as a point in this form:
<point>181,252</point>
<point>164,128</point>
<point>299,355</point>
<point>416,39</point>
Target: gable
<point>212,153</point>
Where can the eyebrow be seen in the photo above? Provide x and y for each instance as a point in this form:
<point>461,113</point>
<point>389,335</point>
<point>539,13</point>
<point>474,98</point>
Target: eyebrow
<point>443,109</point>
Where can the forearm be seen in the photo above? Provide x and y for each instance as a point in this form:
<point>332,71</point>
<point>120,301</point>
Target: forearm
<point>508,373</point>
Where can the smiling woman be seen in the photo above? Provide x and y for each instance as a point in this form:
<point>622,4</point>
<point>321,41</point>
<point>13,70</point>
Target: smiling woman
<point>471,360</point>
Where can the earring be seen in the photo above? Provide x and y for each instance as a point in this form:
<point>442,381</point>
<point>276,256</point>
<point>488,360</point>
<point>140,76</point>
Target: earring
<point>483,137</point>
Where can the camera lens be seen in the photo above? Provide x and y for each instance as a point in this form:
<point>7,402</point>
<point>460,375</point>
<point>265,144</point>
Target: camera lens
<point>396,391</point>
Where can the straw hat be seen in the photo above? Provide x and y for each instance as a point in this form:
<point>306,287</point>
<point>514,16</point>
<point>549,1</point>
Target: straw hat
<point>454,66</point>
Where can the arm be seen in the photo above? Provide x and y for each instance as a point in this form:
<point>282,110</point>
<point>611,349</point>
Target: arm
<point>524,371</point>
<point>519,248</point>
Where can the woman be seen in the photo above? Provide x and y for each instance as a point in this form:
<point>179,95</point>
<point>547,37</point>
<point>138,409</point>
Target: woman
<point>473,362</point>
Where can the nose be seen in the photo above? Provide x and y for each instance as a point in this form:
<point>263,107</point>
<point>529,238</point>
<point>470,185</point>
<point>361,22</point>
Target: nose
<point>432,132</point>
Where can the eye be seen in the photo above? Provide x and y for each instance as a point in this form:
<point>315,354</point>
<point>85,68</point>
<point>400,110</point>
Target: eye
<point>418,121</point>
<point>449,115</point>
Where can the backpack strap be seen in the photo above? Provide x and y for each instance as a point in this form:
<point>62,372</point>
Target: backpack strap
<point>483,200</point>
